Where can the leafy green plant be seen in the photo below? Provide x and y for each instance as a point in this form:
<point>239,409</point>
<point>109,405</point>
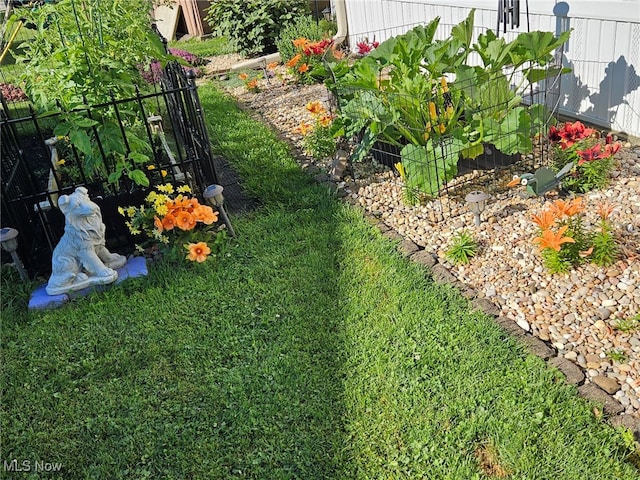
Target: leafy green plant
<point>304,26</point>
<point>591,155</point>
<point>618,355</point>
<point>463,248</point>
<point>252,26</point>
<point>629,324</point>
<point>564,241</point>
<point>318,140</point>
<point>89,58</point>
<point>419,94</point>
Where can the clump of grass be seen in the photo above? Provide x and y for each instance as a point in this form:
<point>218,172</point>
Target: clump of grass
<point>463,248</point>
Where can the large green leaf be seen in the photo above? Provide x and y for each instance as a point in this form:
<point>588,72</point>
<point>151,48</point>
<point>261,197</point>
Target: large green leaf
<point>427,168</point>
<point>80,140</point>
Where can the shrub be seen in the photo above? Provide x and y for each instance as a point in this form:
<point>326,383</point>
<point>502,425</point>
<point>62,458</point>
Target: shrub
<point>592,156</point>
<point>252,26</point>
<point>305,27</point>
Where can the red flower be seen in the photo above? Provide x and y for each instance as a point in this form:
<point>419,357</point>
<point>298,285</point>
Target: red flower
<point>610,149</point>
<point>590,154</point>
<point>569,134</point>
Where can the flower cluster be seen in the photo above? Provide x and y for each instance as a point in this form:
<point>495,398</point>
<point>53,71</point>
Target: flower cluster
<point>11,93</point>
<point>365,47</point>
<point>591,155</point>
<point>250,83</point>
<point>170,215</point>
<point>564,240</point>
<point>318,138</point>
<point>153,72</point>
<point>309,54</point>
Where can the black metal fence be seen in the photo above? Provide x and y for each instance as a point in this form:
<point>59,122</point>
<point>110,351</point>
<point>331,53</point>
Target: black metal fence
<point>462,136</point>
<point>37,167</point>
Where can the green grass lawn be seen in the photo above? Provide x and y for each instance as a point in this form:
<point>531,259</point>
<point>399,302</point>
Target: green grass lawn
<point>309,349</point>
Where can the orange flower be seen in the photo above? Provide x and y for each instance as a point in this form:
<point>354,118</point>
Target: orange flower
<point>549,239</point>
<point>301,43</point>
<point>303,68</point>
<point>272,65</point>
<point>604,210</point>
<point>252,84</point>
<point>294,61</point>
<point>315,107</point>
<point>337,54</point>
<point>561,208</point>
<point>185,221</point>
<point>545,220</point>
<point>325,120</point>
<point>205,214</point>
<point>169,221</point>
<point>158,224</point>
<point>243,76</point>
<point>198,251</point>
<point>303,128</point>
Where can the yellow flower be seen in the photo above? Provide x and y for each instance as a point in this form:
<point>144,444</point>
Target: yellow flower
<point>151,167</point>
<point>162,209</point>
<point>131,211</point>
<point>121,211</point>
<point>400,169</point>
<point>152,196</point>
<point>184,189</point>
<point>443,84</point>
<point>163,173</point>
<point>62,161</point>
<point>166,188</point>
<point>433,114</point>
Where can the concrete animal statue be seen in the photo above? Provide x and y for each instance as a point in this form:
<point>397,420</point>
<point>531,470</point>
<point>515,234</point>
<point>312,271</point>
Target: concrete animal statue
<point>81,258</point>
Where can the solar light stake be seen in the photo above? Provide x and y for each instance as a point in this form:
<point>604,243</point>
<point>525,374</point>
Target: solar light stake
<point>213,195</point>
<point>477,201</point>
<point>9,243</point>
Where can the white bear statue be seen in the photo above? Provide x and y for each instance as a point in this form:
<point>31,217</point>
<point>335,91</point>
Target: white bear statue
<point>81,259</point>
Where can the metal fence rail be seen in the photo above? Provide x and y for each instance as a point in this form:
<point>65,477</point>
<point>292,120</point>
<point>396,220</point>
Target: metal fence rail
<point>34,171</point>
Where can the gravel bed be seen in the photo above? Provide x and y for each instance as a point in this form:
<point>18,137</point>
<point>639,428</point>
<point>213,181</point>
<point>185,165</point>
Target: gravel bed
<point>577,312</point>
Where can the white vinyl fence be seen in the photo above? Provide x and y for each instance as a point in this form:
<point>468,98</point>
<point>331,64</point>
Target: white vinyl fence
<point>603,51</point>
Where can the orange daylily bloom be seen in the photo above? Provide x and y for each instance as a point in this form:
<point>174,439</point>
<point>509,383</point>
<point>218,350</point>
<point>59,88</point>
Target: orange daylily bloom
<point>585,253</point>
<point>301,43</point>
<point>569,208</point>
<point>205,214</point>
<point>157,223</point>
<point>252,84</point>
<point>243,76</point>
<point>303,68</point>
<point>303,128</point>
<point>604,210</point>
<point>315,107</point>
<point>325,120</point>
<point>198,251</point>
<point>294,61</point>
<point>272,66</point>
<point>554,240</point>
<point>185,221</point>
<point>337,54</point>
<point>169,221</point>
<point>545,220</point>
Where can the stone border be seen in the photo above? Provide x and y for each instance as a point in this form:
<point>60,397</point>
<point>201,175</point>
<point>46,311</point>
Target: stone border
<point>574,375</point>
